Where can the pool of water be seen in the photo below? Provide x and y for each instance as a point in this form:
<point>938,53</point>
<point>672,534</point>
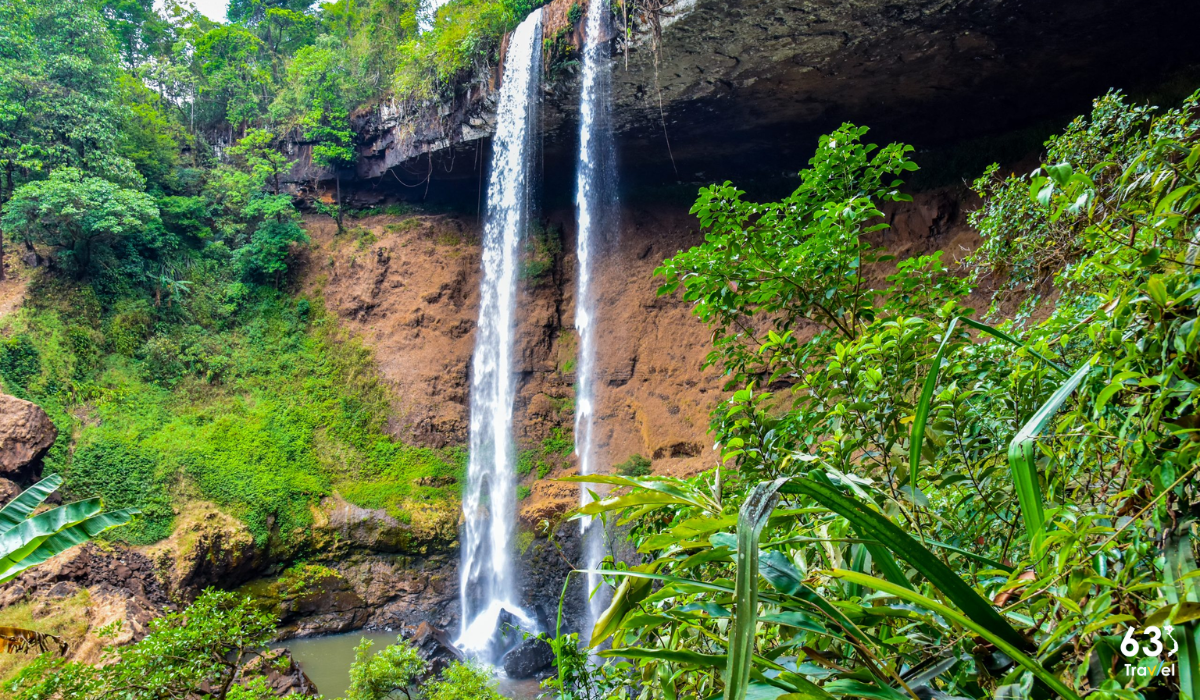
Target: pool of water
<point>327,660</point>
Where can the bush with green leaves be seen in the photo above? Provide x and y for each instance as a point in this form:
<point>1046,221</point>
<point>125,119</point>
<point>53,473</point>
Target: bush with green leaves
<point>200,649</point>
<point>636,465</point>
<point>924,503</point>
<point>399,668</point>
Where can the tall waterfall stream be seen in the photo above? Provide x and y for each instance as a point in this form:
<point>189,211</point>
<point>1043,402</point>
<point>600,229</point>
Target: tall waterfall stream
<point>595,209</point>
<point>488,581</point>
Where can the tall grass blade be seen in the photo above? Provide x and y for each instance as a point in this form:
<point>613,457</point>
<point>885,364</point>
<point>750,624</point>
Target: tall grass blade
<point>1022,452</point>
<point>1014,652</point>
<point>916,441</point>
<point>753,516</point>
<point>1178,563</point>
<point>874,525</point>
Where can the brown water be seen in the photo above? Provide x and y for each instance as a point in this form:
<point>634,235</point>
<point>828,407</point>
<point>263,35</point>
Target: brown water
<point>327,662</point>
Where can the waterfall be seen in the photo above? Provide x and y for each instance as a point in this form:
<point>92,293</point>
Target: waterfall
<point>595,209</point>
<point>488,582</point>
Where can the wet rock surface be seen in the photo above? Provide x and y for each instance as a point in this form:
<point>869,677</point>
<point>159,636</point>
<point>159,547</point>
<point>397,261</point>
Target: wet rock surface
<point>531,656</point>
<point>435,647</point>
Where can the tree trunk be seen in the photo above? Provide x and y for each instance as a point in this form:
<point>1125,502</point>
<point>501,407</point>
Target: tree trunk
<point>338,180</point>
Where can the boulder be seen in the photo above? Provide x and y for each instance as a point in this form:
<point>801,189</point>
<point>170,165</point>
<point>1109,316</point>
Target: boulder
<point>435,647</point>
<point>283,675</point>
<point>207,548</point>
<point>8,491</point>
<point>26,433</point>
<point>531,656</point>
<point>506,636</point>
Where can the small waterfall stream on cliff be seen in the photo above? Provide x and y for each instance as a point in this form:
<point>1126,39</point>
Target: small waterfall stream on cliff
<point>595,209</point>
<point>488,583</point>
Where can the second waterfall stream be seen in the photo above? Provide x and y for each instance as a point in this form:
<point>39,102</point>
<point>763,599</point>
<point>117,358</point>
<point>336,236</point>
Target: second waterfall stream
<point>596,214</point>
<point>489,584</point>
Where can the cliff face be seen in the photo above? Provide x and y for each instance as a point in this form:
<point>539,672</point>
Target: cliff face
<point>707,90</point>
<point>408,286</point>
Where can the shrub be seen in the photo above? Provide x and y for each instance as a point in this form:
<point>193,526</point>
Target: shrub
<point>635,466</point>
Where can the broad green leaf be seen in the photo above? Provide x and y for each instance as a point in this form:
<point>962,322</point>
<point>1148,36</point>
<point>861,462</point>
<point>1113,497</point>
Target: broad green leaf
<point>872,524</point>
<point>20,541</point>
<point>20,507</point>
<point>625,598</point>
<point>70,537</point>
<point>1014,652</point>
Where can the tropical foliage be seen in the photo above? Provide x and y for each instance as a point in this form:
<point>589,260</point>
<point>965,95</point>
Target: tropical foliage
<point>28,538</point>
<point>203,647</point>
<point>914,502</point>
<point>399,668</point>
<point>143,152</point>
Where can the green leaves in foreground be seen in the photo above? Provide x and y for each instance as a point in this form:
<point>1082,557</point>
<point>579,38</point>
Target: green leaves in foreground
<point>753,516</point>
<point>26,542</point>
<point>1013,652</point>
<point>1022,452</point>
<point>921,417</point>
<point>874,525</point>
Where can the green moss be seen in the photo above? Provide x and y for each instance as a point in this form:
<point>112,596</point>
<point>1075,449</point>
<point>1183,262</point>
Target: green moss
<point>561,441</point>
<point>523,492</point>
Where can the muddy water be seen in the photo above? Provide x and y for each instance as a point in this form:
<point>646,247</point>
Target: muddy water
<point>327,661</point>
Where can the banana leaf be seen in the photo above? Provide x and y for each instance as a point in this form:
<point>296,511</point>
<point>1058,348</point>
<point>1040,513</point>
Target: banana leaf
<point>27,501</point>
<point>20,541</point>
<point>69,537</point>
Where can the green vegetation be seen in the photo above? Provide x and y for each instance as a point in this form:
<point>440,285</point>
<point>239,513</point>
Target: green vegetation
<point>636,465</point>
<point>203,646</point>
<point>523,492</point>
<point>28,537</point>
<point>238,395</point>
<point>398,668</point>
<point>926,503</point>
<point>543,245</point>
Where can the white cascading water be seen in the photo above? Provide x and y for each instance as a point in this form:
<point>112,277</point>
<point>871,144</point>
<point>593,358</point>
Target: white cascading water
<point>595,208</point>
<point>488,581</point>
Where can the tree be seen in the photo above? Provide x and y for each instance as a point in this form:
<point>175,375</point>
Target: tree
<point>399,668</point>
<point>380,676</point>
<point>315,101</point>
<point>76,213</point>
<point>238,86</point>
<point>58,79</point>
